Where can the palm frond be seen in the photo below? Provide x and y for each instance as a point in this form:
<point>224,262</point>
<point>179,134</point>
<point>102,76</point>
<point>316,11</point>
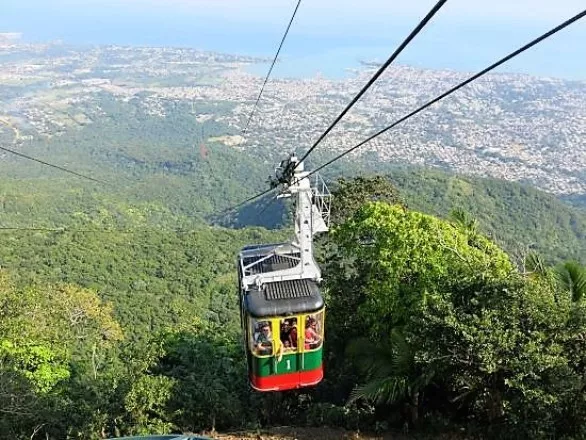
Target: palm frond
<point>385,390</point>
<point>571,277</point>
<point>389,369</point>
<point>394,358</point>
<point>534,263</point>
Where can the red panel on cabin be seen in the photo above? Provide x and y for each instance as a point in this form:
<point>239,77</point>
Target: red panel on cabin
<point>289,381</point>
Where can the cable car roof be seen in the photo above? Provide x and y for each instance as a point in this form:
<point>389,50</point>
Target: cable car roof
<point>283,298</point>
<point>271,264</point>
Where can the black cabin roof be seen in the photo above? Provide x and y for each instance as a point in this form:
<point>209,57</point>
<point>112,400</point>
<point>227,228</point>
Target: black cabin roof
<point>283,298</point>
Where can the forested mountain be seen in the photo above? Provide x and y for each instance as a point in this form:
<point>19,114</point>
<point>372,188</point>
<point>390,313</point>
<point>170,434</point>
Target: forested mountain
<point>114,333</point>
<point>162,167</point>
<point>517,216</point>
<point>118,300</point>
<point>520,218</point>
<point>175,175</point>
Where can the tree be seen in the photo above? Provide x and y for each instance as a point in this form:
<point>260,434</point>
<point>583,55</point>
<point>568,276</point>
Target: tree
<point>209,373</point>
<point>146,405</point>
<point>350,195</point>
<point>49,336</point>
<point>409,256</point>
<point>385,281</point>
<point>480,343</point>
<point>571,277</point>
<point>464,220</point>
<point>499,347</point>
<point>391,373</point>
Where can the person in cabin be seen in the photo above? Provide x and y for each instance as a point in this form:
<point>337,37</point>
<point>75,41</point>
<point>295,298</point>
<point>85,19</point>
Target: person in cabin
<point>264,339</point>
<point>285,329</point>
<point>312,338</point>
<point>292,335</point>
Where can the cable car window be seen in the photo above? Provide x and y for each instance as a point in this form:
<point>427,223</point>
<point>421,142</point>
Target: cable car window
<point>289,334</point>
<point>262,337</point>
<point>314,331</point>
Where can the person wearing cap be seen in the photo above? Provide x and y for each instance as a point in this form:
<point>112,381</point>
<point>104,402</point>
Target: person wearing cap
<point>264,339</point>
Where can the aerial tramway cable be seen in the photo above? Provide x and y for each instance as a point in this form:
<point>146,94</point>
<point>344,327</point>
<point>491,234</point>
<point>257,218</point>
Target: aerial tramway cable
<point>395,54</point>
<point>459,86</point>
<point>435,100</point>
<point>379,72</point>
<point>244,202</point>
<point>272,65</point>
<point>248,200</point>
<point>51,165</point>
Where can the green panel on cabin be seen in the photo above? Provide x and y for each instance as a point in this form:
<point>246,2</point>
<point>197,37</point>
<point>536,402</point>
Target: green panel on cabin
<point>262,366</point>
<point>312,360</point>
<point>289,363</point>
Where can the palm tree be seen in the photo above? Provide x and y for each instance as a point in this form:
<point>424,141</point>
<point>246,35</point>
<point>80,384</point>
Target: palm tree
<point>534,266</point>
<point>464,220</point>
<point>390,372</point>
<point>571,278</point>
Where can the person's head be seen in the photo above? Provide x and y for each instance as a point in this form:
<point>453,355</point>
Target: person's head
<point>266,329</point>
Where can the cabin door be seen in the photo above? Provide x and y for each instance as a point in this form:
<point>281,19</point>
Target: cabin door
<point>288,359</point>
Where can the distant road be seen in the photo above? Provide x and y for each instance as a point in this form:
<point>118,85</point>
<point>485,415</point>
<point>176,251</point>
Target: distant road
<point>10,125</point>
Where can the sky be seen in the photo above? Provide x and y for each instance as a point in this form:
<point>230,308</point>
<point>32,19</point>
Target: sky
<point>465,34</point>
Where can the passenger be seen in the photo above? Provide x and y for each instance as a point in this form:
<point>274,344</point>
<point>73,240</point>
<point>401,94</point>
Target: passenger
<point>292,336</point>
<point>285,329</point>
<point>287,346</point>
<point>264,340</point>
<point>312,338</point>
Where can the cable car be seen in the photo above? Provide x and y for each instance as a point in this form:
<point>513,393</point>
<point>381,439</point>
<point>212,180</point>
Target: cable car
<point>281,307</point>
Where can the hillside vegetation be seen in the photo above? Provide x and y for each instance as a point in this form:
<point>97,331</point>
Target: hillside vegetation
<point>517,216</point>
<point>431,329</point>
<point>167,172</point>
<point>118,301</point>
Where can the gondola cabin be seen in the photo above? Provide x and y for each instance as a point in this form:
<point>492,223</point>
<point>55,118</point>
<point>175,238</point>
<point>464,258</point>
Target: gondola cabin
<point>282,309</point>
<point>283,326</point>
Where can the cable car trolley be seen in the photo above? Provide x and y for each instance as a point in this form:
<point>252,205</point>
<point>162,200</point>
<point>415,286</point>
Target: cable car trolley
<point>282,310</point>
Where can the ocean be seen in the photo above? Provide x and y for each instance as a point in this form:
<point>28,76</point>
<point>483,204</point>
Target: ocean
<point>460,47</point>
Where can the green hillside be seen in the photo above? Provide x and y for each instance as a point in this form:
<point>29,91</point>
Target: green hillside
<point>167,276</point>
<point>125,321</point>
<point>518,217</point>
<point>159,175</point>
<point>147,162</point>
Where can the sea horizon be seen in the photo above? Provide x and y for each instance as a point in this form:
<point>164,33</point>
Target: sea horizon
<point>303,56</point>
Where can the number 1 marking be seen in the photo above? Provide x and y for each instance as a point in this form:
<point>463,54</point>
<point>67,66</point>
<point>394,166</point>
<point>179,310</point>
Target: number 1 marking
<point>288,364</point>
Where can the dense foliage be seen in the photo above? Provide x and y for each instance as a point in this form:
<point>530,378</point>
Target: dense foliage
<point>431,327</point>
<point>173,172</point>
<point>125,320</point>
<point>518,217</point>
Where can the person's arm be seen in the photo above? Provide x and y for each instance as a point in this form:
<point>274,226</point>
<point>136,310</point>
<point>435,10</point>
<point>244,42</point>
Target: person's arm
<point>314,336</point>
